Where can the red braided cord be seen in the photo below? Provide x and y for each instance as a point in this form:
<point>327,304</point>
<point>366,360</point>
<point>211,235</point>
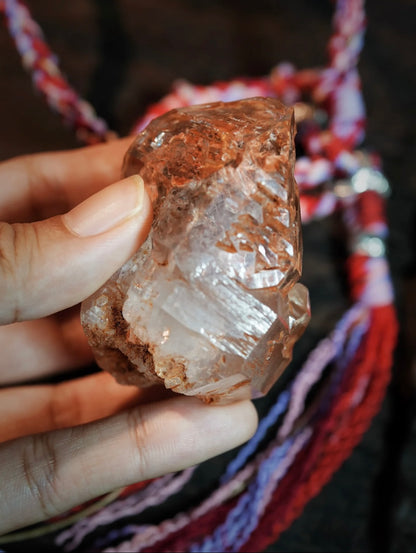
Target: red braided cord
<point>48,79</point>
<point>356,263</point>
<point>370,208</point>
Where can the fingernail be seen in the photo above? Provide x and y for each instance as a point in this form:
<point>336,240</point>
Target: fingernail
<point>107,208</point>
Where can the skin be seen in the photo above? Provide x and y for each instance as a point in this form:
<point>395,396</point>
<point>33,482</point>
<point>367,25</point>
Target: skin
<point>63,444</point>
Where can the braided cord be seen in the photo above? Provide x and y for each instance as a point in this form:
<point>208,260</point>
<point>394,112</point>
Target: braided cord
<point>47,78</point>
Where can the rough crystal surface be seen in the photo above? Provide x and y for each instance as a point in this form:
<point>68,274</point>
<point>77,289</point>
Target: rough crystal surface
<point>209,305</point>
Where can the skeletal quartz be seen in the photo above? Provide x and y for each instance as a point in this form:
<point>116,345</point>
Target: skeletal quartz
<point>209,305</point>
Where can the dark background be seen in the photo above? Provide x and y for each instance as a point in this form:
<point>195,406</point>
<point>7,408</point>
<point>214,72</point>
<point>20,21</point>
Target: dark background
<point>122,55</point>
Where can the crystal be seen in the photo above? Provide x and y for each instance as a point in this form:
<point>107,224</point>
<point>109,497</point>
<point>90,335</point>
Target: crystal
<point>210,305</point>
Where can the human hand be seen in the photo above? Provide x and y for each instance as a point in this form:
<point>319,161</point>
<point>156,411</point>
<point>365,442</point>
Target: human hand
<point>63,444</point>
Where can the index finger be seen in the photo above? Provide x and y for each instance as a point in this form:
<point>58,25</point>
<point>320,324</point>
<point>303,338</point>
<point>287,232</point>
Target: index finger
<point>39,186</point>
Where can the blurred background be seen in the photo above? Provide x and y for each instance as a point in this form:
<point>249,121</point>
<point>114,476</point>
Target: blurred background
<point>122,55</point>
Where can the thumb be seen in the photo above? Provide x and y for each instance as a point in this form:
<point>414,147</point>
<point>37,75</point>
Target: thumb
<point>50,265</point>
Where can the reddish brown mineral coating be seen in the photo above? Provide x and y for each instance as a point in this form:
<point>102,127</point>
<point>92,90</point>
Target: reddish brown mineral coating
<point>190,144</point>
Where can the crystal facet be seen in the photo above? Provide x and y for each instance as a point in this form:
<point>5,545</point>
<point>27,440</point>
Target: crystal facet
<point>209,305</point>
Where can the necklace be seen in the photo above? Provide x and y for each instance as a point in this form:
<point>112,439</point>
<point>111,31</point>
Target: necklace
<point>265,487</point>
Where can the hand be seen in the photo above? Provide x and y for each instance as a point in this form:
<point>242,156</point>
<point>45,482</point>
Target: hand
<point>66,443</point>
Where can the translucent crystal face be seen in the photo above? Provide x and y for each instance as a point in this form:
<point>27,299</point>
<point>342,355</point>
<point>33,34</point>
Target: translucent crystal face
<point>209,305</point>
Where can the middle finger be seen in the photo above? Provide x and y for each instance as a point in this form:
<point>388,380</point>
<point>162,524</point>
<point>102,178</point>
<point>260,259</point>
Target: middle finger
<point>42,347</point>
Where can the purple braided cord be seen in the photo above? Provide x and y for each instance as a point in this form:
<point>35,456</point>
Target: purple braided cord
<point>146,535</point>
<point>154,494</point>
<point>327,350</point>
<point>116,534</point>
<point>251,447</point>
<point>356,335</point>
<point>244,517</point>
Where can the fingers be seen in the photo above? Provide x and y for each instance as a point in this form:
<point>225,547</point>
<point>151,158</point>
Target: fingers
<point>50,265</point>
<point>26,410</point>
<point>39,186</point>
<point>35,349</point>
<point>50,473</point>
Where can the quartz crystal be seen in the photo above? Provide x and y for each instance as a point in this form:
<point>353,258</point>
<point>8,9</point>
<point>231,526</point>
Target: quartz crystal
<point>209,306</point>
